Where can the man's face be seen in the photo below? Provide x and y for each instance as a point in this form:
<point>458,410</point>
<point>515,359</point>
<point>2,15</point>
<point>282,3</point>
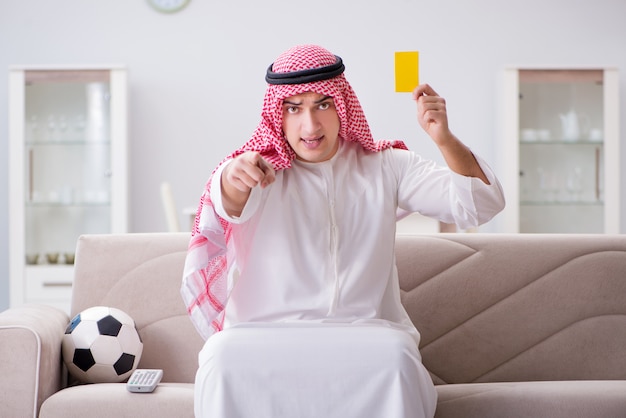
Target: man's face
<point>311,126</point>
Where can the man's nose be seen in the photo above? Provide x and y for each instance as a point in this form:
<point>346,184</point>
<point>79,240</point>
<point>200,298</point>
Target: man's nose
<point>310,123</point>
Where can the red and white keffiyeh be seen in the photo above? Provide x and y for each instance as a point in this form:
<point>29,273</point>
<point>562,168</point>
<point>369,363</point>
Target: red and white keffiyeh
<point>205,285</point>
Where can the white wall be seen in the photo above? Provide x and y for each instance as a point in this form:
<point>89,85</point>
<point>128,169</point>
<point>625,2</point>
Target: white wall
<point>197,76</point>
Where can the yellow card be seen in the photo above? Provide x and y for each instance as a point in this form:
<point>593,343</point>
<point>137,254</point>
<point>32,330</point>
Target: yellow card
<point>407,71</point>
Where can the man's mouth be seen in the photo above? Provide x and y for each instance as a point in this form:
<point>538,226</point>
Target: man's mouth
<point>312,140</point>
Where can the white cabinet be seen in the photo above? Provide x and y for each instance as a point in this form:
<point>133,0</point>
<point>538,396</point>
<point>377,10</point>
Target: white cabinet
<point>562,151</point>
<point>67,172</point>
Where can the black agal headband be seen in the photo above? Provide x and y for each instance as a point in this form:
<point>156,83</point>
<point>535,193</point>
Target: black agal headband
<point>306,76</point>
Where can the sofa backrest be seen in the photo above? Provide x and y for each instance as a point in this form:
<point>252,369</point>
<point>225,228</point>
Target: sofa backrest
<point>489,307</point>
<point>499,307</point>
<point>141,275</point>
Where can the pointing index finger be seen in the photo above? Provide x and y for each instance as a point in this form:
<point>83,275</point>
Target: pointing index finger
<point>268,172</point>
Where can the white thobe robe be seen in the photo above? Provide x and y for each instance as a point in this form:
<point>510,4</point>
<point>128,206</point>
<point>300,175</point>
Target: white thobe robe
<point>315,251</point>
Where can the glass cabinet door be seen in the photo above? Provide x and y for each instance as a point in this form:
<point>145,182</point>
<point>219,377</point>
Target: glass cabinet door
<point>67,163</point>
<point>563,131</point>
<point>69,177</point>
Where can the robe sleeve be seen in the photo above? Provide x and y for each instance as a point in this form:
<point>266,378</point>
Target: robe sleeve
<point>436,191</point>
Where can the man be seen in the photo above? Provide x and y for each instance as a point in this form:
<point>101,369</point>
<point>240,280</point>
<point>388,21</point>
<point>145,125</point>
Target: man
<point>292,254</point>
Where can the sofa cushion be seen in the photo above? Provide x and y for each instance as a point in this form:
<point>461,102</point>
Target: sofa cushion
<point>571,399</point>
<point>106,400</point>
<point>556,399</point>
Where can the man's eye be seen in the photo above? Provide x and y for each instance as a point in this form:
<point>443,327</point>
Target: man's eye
<point>292,109</point>
<point>324,106</point>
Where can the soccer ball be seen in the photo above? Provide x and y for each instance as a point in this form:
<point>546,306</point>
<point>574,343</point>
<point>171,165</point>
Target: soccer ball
<point>101,345</point>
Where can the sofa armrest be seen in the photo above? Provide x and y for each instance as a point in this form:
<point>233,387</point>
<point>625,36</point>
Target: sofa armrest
<point>30,357</point>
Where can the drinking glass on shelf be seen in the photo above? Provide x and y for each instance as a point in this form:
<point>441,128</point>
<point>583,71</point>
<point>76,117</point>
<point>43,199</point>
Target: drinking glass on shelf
<point>79,124</point>
<point>33,128</point>
<point>62,126</point>
<point>51,127</point>
<point>549,185</point>
<point>575,184</point>
<point>541,183</point>
<point>554,185</point>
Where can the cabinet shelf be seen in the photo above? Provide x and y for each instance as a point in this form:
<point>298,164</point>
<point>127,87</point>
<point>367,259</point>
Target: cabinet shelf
<point>73,142</point>
<point>563,142</point>
<point>50,205</point>
<point>560,203</point>
<point>44,268</point>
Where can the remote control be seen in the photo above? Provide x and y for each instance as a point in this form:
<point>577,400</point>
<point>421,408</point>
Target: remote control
<point>144,380</point>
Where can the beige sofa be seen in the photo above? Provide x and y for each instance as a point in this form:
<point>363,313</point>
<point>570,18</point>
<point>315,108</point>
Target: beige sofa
<point>512,326</point>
